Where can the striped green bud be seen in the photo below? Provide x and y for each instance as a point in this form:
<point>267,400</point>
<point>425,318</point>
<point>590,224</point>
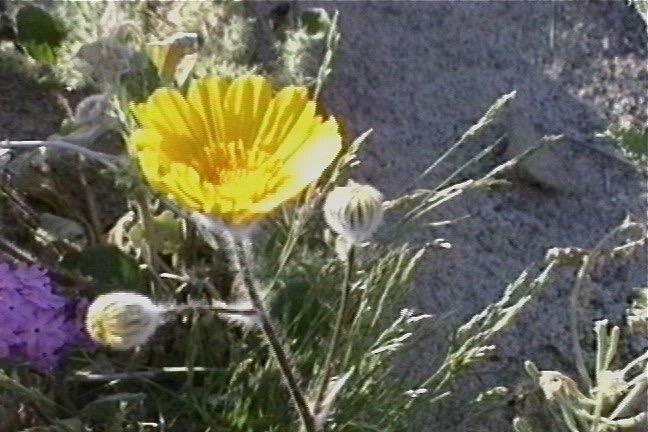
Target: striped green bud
<point>354,211</point>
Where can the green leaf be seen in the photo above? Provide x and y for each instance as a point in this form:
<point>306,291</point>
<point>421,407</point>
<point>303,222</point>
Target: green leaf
<point>635,142</point>
<point>40,33</point>
<point>65,425</point>
<point>316,21</point>
<point>55,228</point>
<point>298,309</point>
<point>109,267</point>
<point>106,408</point>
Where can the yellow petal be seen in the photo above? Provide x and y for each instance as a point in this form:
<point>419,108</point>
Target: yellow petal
<point>184,184</point>
<point>207,96</point>
<point>142,139</point>
<point>169,114</point>
<point>231,149</point>
<point>154,167</point>
<point>247,101</point>
<point>305,125</point>
<point>280,117</point>
<point>304,166</point>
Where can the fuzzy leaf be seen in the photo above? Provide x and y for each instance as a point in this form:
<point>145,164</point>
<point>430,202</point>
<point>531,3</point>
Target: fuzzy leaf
<point>55,228</point>
<point>316,21</point>
<point>105,408</point>
<point>108,266</point>
<point>66,425</point>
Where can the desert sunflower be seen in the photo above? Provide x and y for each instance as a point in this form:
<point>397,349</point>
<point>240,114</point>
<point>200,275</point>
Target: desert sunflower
<point>232,150</point>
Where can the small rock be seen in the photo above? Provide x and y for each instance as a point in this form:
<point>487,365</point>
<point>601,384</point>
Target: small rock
<point>551,166</point>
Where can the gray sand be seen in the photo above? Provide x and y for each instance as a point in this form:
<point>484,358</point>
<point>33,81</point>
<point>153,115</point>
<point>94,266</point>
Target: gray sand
<point>421,73</point>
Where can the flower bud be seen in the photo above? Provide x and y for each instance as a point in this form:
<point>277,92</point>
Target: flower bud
<point>169,54</point>
<point>90,109</point>
<point>123,320</point>
<point>556,385</point>
<point>354,211</point>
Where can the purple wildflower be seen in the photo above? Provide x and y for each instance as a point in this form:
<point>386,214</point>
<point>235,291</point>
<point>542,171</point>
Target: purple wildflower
<point>37,325</point>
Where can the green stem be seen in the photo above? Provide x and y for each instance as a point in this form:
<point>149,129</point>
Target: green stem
<point>329,362</point>
<point>242,261</point>
<point>150,246</point>
<point>574,319</point>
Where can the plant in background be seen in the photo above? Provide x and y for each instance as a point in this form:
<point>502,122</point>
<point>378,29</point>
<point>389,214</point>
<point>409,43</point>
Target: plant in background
<point>613,398</point>
<point>615,402</point>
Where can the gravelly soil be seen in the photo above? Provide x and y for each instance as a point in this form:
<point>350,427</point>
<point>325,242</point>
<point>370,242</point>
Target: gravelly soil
<point>420,74</point>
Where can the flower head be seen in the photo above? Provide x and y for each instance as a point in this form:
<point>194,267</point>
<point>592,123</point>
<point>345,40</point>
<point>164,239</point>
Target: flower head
<point>232,150</point>
<point>354,211</point>
<point>123,320</point>
<point>37,325</point>
<point>611,383</point>
<point>556,385</point>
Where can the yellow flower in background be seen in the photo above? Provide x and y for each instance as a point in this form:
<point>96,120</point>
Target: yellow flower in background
<point>232,150</point>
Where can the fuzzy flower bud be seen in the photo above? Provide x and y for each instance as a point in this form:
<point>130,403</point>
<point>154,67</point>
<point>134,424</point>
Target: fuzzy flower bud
<point>91,109</point>
<point>123,320</point>
<point>354,211</point>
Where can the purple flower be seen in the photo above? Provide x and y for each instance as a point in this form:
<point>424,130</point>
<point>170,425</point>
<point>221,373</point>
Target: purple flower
<point>37,325</point>
<point>7,337</point>
<point>74,326</point>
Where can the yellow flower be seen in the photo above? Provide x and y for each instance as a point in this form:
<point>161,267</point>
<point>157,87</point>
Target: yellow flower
<point>232,150</point>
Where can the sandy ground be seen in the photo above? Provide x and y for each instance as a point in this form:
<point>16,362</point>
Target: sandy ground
<point>420,74</point>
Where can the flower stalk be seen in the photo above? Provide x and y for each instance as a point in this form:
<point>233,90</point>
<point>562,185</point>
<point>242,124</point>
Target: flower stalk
<point>330,362</point>
<point>242,261</point>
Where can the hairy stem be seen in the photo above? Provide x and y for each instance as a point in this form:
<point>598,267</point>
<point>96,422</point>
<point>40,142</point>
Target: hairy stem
<point>242,260</point>
<point>150,246</point>
<point>63,145</point>
<point>329,362</point>
<point>91,203</point>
